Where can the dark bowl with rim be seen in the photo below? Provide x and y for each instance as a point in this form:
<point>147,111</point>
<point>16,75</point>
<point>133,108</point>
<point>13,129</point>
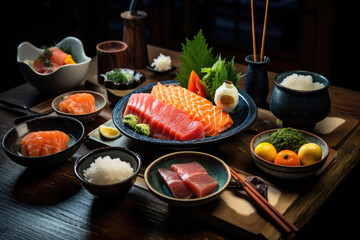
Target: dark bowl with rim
<point>106,191</point>
<point>11,141</point>
<point>116,89</point>
<point>300,109</point>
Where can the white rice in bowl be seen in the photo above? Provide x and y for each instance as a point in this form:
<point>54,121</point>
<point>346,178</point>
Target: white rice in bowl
<point>301,82</point>
<point>105,170</point>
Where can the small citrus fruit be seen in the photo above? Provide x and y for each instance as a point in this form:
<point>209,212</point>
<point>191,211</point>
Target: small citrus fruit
<point>109,132</point>
<point>266,151</point>
<point>287,158</point>
<point>310,153</point>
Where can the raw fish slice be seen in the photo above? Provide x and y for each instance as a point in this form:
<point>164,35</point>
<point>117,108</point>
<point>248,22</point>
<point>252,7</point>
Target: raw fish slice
<point>42,143</point>
<point>196,177</point>
<point>157,123</point>
<point>58,56</point>
<point>202,184</point>
<point>152,111</point>
<point>79,103</point>
<point>185,170</point>
<point>190,131</point>
<point>170,128</point>
<point>213,118</point>
<point>176,185</point>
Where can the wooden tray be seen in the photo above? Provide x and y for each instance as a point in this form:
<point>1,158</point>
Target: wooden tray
<point>233,211</point>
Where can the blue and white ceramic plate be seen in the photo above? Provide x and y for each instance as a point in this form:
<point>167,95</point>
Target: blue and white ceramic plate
<point>243,118</point>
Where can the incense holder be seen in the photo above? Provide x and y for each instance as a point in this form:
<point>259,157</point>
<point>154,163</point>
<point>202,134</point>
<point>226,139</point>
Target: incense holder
<point>256,80</point>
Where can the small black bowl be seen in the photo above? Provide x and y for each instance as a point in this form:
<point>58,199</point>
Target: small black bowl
<point>116,90</point>
<point>136,81</point>
<point>118,189</point>
<point>11,141</point>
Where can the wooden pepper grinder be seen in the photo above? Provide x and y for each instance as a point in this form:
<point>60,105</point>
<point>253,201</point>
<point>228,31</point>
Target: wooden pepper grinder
<point>134,36</point>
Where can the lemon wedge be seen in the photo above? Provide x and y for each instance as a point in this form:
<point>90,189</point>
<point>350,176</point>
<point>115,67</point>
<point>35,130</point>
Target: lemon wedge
<point>109,132</point>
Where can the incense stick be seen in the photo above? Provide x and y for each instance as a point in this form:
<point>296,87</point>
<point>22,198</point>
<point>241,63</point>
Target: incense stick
<point>253,30</point>
<point>264,31</point>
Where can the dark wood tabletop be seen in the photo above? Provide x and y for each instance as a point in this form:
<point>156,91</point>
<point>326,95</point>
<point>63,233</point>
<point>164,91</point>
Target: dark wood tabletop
<point>54,205</point>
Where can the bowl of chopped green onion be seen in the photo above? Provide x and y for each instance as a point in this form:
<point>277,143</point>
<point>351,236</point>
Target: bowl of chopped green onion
<point>121,81</point>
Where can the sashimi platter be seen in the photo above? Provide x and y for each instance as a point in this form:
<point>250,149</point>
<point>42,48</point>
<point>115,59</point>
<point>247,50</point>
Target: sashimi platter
<point>168,123</point>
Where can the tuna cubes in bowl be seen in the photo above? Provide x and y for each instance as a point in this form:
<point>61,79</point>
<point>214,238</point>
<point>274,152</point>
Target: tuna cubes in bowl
<point>184,169</point>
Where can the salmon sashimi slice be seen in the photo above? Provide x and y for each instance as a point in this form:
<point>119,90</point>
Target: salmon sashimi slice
<point>79,103</point>
<point>164,120</point>
<point>196,177</point>
<point>42,143</point>
<point>176,185</point>
<point>213,118</point>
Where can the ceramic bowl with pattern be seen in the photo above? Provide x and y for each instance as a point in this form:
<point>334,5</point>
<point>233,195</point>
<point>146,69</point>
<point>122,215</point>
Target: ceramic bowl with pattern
<point>289,172</point>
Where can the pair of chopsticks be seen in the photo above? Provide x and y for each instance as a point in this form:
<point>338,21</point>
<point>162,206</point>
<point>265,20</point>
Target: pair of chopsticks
<point>253,31</point>
<point>279,219</point>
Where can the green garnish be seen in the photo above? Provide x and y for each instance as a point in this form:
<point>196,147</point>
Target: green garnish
<point>196,56</point>
<point>120,75</point>
<point>142,129</point>
<point>130,121</point>
<point>212,72</point>
<point>45,57</point>
<point>287,138</point>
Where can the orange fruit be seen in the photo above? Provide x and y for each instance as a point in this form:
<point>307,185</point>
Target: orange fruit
<point>287,158</point>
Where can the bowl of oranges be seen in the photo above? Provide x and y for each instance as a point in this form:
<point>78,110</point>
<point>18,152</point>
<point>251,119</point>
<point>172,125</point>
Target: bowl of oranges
<point>289,153</point>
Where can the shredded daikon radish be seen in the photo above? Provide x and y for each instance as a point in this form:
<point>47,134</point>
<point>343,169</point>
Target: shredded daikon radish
<point>162,63</point>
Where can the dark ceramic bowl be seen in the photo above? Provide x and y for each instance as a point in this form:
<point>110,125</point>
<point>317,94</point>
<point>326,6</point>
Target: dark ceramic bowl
<point>11,141</point>
<point>289,172</point>
<point>116,90</point>
<point>100,103</point>
<point>108,190</point>
<point>297,108</point>
<point>214,166</point>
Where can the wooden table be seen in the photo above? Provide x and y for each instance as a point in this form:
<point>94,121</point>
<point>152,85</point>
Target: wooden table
<point>53,205</point>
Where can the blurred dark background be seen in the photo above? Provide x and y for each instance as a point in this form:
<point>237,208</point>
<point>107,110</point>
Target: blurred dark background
<point>314,35</point>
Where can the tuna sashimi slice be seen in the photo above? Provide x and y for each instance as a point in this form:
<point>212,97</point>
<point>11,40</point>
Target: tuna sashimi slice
<point>185,170</point>
<point>165,121</point>
<point>176,185</point>
<point>196,177</point>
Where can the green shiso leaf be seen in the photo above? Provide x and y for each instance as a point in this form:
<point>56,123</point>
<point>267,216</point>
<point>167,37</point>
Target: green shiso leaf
<point>213,72</point>
<point>196,55</point>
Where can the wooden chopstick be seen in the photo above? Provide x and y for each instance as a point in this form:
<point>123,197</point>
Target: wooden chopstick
<point>253,30</point>
<point>264,31</point>
<point>284,223</point>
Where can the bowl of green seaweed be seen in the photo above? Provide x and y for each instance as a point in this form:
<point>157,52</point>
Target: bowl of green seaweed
<point>121,81</point>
